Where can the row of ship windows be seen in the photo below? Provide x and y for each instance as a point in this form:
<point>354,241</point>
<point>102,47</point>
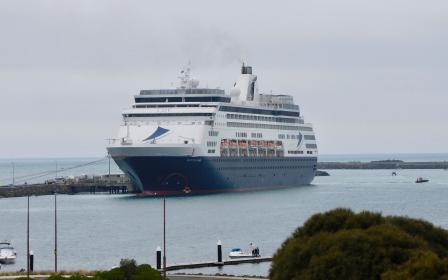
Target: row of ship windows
<point>239,134</point>
<point>289,136</point>
<point>308,146</point>
<point>177,91</point>
<point>169,115</point>
<point>268,126</point>
<point>262,118</point>
<point>182,99</point>
<point>299,152</point>
<point>259,111</point>
<point>174,106</point>
<point>230,109</point>
<point>211,144</point>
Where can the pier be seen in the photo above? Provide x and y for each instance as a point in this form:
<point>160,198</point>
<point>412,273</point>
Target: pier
<point>214,263</point>
<point>113,184</point>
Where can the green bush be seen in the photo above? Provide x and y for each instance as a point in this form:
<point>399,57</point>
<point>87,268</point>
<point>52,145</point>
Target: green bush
<point>145,272</point>
<point>129,270</point>
<point>128,267</point>
<point>75,276</point>
<point>113,274</point>
<point>340,244</point>
<point>56,277</point>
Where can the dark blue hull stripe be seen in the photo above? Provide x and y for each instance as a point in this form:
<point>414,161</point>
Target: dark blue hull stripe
<point>195,175</point>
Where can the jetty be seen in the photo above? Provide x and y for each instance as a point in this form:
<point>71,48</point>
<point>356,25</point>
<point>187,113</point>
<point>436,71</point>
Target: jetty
<point>112,184</point>
<point>215,263</point>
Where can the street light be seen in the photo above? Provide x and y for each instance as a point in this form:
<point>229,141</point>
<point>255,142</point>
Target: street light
<point>164,243</point>
<point>28,240</point>
<point>55,235</point>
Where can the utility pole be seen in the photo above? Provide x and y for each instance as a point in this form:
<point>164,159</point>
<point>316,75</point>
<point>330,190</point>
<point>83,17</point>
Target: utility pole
<point>28,240</point>
<point>55,234</point>
<point>164,239</point>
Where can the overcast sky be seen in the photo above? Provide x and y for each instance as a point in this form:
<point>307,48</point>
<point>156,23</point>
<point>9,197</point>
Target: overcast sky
<point>370,75</point>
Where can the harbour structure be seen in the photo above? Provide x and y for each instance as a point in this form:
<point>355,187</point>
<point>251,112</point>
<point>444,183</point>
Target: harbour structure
<point>192,140</point>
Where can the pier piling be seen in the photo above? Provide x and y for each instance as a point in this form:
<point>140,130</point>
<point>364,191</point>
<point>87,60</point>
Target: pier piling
<point>219,244</point>
<point>159,258</point>
<point>31,261</point>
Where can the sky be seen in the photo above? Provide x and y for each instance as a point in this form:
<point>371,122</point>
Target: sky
<point>370,75</point>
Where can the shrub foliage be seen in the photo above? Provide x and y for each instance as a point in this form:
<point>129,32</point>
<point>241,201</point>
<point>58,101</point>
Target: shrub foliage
<point>340,244</point>
<point>128,270</point>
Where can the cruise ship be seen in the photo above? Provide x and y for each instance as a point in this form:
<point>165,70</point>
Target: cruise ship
<point>191,140</point>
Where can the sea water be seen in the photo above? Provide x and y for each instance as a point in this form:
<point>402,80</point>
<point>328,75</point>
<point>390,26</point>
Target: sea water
<point>96,231</point>
<point>37,170</point>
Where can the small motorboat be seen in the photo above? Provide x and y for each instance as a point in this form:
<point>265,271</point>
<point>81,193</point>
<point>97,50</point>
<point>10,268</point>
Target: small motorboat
<point>421,180</point>
<point>237,253</point>
<point>7,253</point>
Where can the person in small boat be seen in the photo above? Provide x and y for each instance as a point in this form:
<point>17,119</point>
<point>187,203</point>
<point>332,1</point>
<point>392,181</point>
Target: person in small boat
<point>255,252</point>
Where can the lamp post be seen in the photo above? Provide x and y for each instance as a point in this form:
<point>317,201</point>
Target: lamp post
<point>164,243</point>
<point>28,239</point>
<point>55,234</point>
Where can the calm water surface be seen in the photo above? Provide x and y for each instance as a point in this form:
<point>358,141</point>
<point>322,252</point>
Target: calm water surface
<point>96,231</point>
<point>37,170</point>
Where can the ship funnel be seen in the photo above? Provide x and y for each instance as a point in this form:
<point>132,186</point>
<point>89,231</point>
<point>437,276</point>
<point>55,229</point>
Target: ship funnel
<point>245,88</point>
<point>246,69</point>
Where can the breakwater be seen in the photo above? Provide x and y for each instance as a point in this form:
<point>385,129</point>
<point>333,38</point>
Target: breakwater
<point>383,164</point>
